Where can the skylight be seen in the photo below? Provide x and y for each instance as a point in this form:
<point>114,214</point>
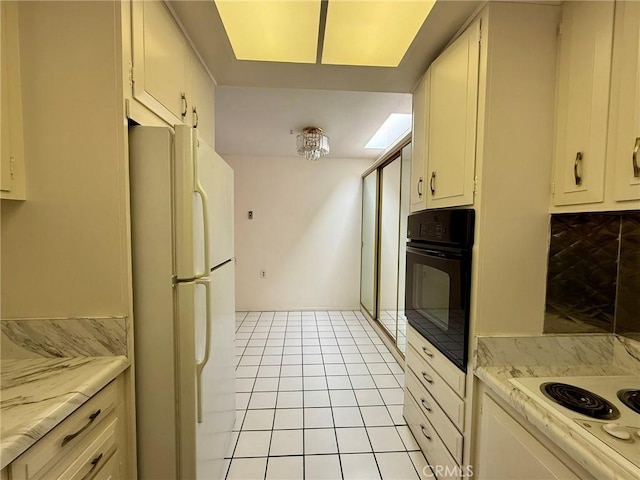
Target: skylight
<point>393,128</point>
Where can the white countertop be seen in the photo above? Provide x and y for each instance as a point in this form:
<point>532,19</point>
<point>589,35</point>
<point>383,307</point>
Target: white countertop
<point>570,361</point>
<point>36,394</point>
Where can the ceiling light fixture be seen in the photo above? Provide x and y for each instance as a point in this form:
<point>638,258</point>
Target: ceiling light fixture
<point>272,30</point>
<point>312,144</point>
<point>374,33</point>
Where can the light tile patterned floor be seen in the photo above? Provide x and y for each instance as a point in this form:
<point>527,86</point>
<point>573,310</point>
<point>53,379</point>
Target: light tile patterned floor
<point>319,397</point>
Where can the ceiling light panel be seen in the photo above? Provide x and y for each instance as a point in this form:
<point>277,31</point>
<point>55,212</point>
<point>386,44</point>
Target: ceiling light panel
<point>372,33</point>
<point>272,30</point>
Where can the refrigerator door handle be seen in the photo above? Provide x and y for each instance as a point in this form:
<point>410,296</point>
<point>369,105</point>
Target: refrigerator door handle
<point>206,282</point>
<point>205,213</point>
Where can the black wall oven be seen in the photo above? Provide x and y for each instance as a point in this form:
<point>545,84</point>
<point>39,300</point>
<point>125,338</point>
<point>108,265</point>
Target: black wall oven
<point>438,282</point>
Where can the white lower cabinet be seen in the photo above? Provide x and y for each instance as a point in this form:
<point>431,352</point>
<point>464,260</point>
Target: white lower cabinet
<point>89,444</point>
<point>434,406</point>
<point>508,451</point>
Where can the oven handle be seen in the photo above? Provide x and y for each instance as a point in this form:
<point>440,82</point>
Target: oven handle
<point>427,252</point>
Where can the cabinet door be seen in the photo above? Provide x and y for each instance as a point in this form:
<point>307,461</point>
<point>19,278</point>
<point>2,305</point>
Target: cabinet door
<point>419,143</point>
<point>582,101</point>
<point>201,98</point>
<point>507,450</point>
<point>12,181</point>
<point>451,140</point>
<point>160,62</point>
<point>625,104</point>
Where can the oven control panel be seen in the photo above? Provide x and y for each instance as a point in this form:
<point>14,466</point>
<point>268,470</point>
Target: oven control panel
<point>448,227</point>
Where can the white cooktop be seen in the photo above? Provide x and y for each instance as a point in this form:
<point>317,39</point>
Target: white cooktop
<point>621,434</point>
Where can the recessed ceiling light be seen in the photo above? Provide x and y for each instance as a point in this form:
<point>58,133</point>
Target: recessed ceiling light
<point>372,33</point>
<point>272,31</point>
<point>390,131</point>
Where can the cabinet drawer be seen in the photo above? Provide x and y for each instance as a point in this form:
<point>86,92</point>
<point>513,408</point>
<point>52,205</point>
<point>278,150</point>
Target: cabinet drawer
<point>111,469</point>
<point>65,437</point>
<point>447,431</point>
<point>433,448</point>
<point>448,400</point>
<point>93,458</point>
<point>430,355</point>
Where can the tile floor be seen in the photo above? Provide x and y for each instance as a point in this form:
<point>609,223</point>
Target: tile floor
<point>319,397</point>
<point>388,321</point>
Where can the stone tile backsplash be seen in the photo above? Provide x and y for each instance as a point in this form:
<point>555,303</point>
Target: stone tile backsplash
<point>593,278</point>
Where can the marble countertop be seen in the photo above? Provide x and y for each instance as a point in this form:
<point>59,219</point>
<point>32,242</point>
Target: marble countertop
<point>584,449</point>
<point>38,393</point>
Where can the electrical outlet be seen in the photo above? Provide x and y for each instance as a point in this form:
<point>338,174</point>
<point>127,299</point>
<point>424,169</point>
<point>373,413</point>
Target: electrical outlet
<point>263,274</point>
<point>250,215</point>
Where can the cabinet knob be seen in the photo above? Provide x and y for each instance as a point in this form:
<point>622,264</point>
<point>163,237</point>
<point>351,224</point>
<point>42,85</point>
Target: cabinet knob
<point>577,177</point>
<point>636,168</point>
<point>420,188</point>
<point>432,183</point>
<point>424,430</point>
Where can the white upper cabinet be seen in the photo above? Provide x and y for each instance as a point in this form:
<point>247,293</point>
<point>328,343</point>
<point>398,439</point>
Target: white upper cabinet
<point>582,101</point>
<point>452,118</point>
<point>419,143</point>
<point>160,62</point>
<point>12,174</point>
<point>201,97</point>
<point>168,77</point>
<point>625,104</point>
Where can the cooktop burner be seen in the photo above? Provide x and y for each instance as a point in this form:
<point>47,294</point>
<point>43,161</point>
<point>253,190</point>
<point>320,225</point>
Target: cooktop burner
<point>631,398</point>
<point>580,400</point>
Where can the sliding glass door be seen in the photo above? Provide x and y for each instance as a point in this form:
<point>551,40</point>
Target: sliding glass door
<point>369,234</point>
<point>385,208</point>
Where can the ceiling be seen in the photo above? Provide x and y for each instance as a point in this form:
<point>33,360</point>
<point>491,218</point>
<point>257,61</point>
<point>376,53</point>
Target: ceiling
<point>259,103</point>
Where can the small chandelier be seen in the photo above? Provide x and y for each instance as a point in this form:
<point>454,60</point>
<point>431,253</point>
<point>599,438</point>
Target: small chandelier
<point>312,143</point>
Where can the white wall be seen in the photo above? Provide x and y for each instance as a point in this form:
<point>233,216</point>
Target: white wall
<point>305,232</point>
<point>65,250</point>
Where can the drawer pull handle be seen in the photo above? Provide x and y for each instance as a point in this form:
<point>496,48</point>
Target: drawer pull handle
<point>94,464</point>
<point>576,176</point>
<point>427,377</point>
<point>423,428</point>
<point>185,105</point>
<point>425,405</point>
<point>70,437</point>
<point>427,352</point>
<point>634,158</point>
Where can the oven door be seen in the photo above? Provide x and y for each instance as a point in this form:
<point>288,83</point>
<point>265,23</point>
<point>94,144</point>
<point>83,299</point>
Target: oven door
<point>437,299</point>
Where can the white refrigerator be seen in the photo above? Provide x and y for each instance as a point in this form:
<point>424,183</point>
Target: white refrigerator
<point>184,303</point>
